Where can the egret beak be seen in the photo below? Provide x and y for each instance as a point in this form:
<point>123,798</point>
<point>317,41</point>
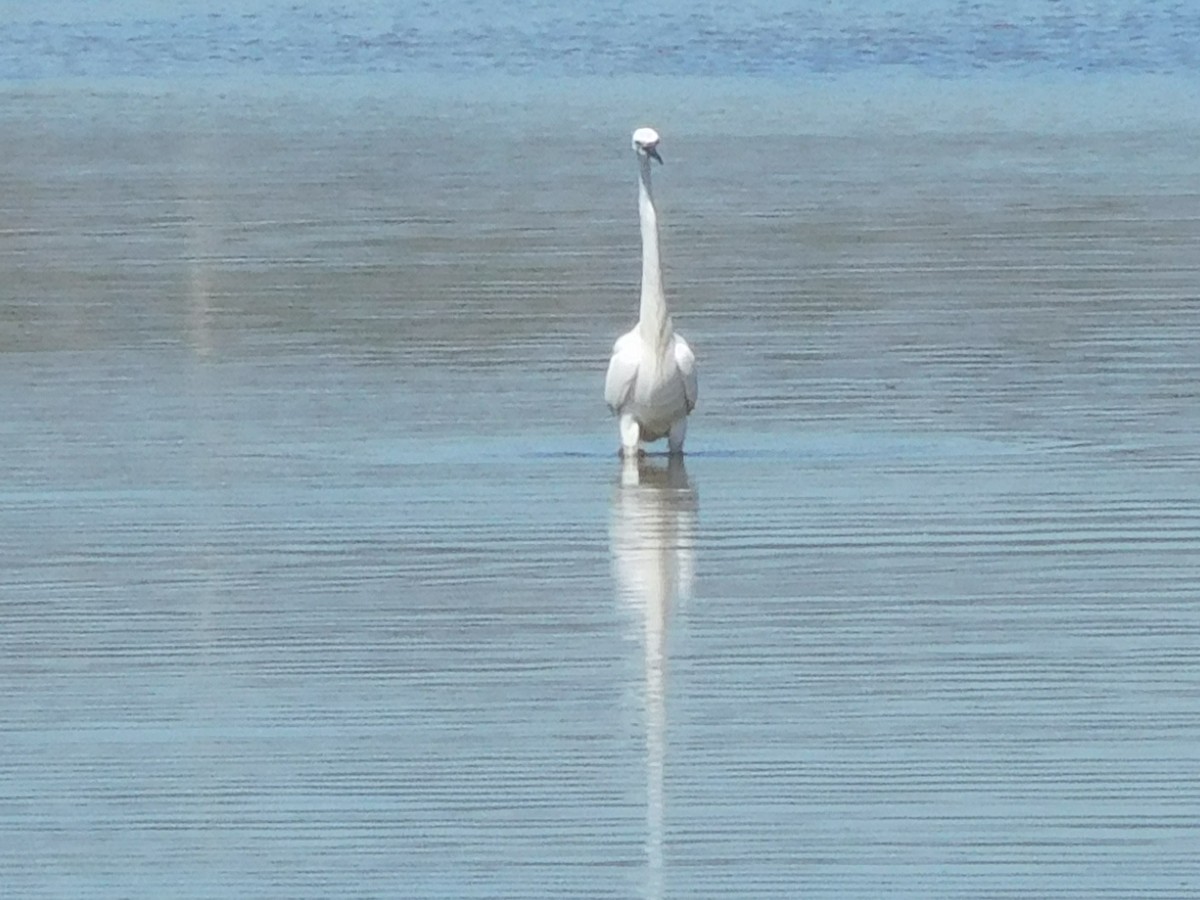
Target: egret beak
<point>652,152</point>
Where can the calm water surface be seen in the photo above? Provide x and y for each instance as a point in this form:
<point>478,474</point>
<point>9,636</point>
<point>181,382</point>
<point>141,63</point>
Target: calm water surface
<point>320,576</point>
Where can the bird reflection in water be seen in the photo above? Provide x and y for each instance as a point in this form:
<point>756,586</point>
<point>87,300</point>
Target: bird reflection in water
<point>652,536</point>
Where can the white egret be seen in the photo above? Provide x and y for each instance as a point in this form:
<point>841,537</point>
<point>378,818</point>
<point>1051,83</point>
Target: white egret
<point>651,382</point>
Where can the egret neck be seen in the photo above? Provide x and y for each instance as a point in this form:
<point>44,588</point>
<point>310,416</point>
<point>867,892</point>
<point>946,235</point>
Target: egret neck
<point>653,320</point>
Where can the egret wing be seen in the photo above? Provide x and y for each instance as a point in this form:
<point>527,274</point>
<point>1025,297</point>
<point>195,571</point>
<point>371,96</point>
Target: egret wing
<point>622,371</point>
<point>686,360</point>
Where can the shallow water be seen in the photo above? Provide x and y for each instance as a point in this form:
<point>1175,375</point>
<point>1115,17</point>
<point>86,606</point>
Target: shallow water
<point>321,575</point>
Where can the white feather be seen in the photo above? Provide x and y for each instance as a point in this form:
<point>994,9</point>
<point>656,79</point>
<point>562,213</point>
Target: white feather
<point>651,382</point>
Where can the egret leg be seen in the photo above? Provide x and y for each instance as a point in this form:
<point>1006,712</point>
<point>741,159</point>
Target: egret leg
<point>631,435</point>
<point>675,437</point>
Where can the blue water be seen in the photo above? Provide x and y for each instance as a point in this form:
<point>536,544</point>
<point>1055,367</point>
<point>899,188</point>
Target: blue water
<point>319,576</point>
<point>775,39</point>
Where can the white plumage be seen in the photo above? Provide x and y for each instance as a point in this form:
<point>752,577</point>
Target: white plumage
<point>651,383</point>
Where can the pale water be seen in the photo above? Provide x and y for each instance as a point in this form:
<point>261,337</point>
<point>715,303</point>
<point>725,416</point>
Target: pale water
<point>320,576</point>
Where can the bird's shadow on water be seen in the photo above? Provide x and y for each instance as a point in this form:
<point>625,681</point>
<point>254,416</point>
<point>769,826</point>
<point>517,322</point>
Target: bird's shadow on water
<point>829,447</point>
<point>796,453</point>
<point>663,456</point>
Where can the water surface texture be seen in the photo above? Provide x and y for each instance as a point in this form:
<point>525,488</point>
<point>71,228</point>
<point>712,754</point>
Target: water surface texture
<point>319,575</point>
<point>611,37</point>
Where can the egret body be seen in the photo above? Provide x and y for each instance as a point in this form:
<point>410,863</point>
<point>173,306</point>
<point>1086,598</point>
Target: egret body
<point>651,382</point>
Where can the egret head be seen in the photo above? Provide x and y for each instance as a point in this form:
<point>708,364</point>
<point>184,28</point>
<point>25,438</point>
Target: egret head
<point>645,143</point>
